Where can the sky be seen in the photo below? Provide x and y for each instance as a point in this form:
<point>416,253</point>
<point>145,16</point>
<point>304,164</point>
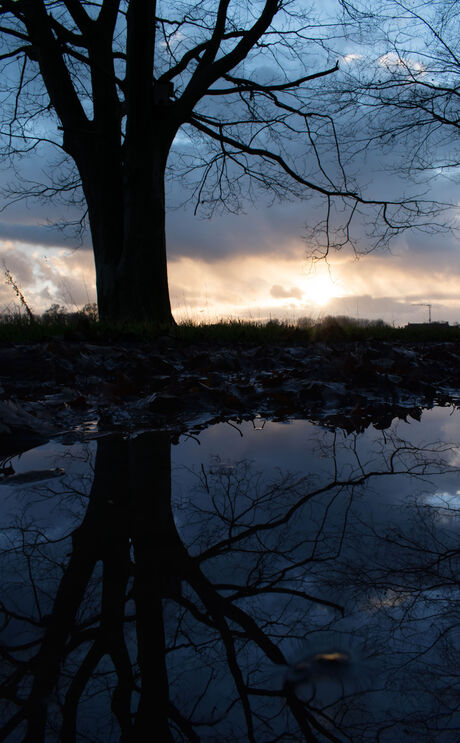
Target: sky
<point>253,265</point>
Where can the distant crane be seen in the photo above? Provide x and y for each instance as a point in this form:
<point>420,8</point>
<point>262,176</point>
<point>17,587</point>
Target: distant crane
<point>423,304</point>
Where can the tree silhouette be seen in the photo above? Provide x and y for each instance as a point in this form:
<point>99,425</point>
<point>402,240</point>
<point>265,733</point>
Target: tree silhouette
<point>121,80</point>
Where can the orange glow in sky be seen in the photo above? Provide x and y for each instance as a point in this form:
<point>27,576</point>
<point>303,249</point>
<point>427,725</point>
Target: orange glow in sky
<point>259,287</point>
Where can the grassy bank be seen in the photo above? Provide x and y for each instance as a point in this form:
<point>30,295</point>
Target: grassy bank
<point>81,326</point>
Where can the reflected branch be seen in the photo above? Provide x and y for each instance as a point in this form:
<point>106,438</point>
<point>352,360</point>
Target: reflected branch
<point>186,624</point>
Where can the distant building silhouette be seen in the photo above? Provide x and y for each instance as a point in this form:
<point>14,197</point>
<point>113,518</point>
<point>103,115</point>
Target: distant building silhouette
<point>436,323</point>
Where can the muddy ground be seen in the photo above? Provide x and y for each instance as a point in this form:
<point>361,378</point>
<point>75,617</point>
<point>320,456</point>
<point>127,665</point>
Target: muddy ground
<point>77,390</point>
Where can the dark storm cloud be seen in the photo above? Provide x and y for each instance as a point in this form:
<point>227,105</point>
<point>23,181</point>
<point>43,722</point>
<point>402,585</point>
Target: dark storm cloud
<point>281,227</point>
<point>53,221</point>
<point>36,234</point>
<point>259,230</point>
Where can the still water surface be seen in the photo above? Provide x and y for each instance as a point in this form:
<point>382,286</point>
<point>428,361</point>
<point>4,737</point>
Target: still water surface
<point>254,582</point>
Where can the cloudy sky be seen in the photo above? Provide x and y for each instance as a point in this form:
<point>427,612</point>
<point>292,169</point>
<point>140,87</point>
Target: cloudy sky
<point>251,265</point>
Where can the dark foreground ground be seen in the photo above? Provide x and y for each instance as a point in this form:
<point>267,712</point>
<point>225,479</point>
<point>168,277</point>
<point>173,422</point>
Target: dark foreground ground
<point>80,389</point>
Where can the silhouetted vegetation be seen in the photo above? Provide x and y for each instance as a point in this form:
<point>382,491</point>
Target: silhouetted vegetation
<point>84,324</point>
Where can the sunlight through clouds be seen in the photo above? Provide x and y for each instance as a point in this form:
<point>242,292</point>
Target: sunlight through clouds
<point>320,286</point>
<point>259,287</point>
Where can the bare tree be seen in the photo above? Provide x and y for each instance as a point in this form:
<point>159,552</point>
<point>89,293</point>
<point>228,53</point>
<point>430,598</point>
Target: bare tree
<point>404,77</point>
<point>121,79</point>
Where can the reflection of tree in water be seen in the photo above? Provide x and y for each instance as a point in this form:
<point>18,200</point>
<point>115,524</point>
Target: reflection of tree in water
<point>186,633</point>
<point>404,577</point>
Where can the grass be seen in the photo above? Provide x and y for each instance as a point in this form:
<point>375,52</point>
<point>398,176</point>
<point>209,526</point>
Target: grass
<point>84,325</point>
<point>328,330</point>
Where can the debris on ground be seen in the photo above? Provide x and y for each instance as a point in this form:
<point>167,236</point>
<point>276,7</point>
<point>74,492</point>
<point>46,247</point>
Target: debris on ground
<point>83,389</point>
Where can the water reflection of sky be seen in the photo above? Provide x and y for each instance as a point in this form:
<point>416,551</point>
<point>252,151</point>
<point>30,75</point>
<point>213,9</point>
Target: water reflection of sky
<point>301,448</point>
<point>317,600</point>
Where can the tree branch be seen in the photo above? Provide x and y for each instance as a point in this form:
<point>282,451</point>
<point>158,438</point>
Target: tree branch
<point>204,77</point>
<point>192,54</point>
<point>55,74</point>
<point>79,15</point>
<point>242,84</point>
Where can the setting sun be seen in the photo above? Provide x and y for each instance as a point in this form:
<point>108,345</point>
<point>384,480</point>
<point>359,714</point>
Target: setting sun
<point>320,288</point>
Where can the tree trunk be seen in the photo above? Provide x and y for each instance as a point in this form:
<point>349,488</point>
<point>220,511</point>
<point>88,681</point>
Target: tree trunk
<point>123,182</point>
<point>142,279</point>
<point>104,198</point>
<point>98,159</point>
<point>142,275</point>
<point>127,221</point>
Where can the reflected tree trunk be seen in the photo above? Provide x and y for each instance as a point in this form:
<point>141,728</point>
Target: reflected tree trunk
<point>155,541</point>
<point>129,509</point>
<point>128,552</point>
<point>102,536</point>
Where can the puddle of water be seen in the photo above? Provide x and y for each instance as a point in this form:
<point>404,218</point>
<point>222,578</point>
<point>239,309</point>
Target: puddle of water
<point>261,582</point>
